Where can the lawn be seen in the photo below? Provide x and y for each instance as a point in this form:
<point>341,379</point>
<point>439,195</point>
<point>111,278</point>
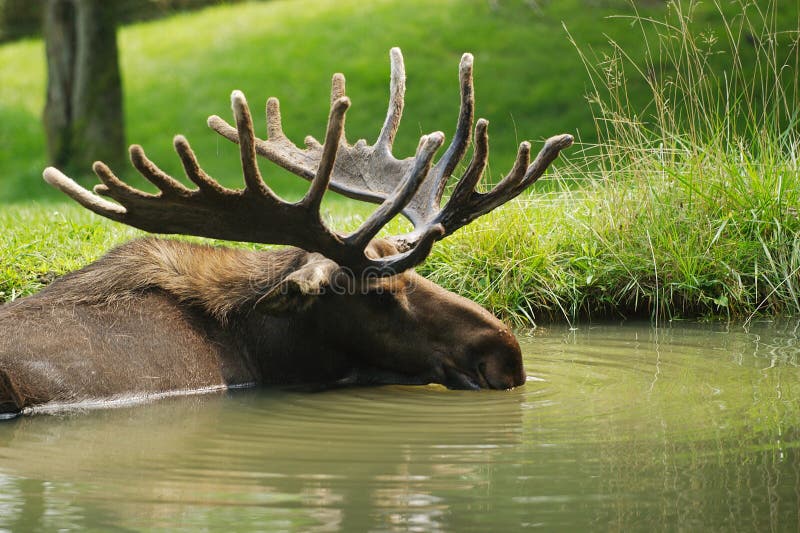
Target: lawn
<point>681,199</point>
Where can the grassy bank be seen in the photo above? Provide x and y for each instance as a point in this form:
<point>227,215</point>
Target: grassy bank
<point>689,206</point>
<point>682,202</point>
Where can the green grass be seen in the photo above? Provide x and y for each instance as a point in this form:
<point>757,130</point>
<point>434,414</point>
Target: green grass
<point>40,242</point>
<point>681,202</point>
<point>530,82</point>
<point>690,207</point>
<point>174,79</point>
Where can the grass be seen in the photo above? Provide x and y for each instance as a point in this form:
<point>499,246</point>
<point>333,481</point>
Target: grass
<point>38,243</point>
<point>173,81</point>
<point>682,200</point>
<point>530,82</point>
<point>690,203</point>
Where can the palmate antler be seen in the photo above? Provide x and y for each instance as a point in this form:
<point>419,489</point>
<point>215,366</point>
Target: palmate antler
<point>371,173</point>
<point>413,186</point>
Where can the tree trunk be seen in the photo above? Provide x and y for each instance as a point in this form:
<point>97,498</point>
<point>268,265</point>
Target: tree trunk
<point>83,115</point>
<point>97,96</point>
<point>59,27</point>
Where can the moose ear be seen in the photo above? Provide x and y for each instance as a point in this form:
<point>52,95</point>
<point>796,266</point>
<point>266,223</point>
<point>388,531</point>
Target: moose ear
<point>378,248</point>
<point>298,290</point>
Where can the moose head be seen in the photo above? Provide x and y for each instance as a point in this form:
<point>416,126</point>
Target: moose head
<point>335,308</point>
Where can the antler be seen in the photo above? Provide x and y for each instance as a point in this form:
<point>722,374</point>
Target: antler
<point>413,186</point>
<point>371,172</point>
<point>255,213</point>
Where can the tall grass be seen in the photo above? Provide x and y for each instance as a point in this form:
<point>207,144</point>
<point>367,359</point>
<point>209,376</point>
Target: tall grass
<point>688,204</point>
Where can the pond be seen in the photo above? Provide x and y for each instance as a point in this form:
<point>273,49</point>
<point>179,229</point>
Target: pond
<point>620,427</point>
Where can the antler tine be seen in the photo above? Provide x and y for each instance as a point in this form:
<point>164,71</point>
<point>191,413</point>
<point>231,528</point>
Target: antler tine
<point>337,91</point>
<point>410,258</point>
<point>166,183</point>
<point>548,154</point>
<point>523,175</point>
<point>337,87</point>
<point>114,187</point>
<point>466,185</point>
<point>395,203</point>
<point>254,184</point>
<point>90,201</point>
<point>191,167</point>
<point>397,89</point>
<point>466,204</point>
<point>333,135</point>
<point>458,146</point>
<point>274,125</point>
<point>515,178</point>
<point>277,148</point>
<point>522,161</point>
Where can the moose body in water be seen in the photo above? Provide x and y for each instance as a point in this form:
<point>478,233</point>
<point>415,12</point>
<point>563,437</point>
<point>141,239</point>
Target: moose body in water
<point>156,317</point>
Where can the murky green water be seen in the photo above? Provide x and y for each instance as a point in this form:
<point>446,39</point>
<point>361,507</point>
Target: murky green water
<point>620,428</point>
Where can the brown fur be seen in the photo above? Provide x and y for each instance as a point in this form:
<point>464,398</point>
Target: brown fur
<point>218,279</point>
<point>156,317</point>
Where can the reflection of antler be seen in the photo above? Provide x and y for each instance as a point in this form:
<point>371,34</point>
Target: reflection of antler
<point>371,172</point>
<point>413,186</point>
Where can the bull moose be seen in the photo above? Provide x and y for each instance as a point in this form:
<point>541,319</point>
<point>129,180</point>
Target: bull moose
<point>157,317</point>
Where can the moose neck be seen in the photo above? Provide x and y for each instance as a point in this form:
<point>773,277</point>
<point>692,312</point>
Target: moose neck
<point>290,349</point>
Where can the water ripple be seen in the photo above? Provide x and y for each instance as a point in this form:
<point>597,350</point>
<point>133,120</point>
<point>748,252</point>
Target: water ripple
<point>616,428</point>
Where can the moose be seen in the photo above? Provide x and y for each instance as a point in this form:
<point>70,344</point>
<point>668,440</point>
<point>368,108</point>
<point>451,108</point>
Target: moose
<point>157,317</point>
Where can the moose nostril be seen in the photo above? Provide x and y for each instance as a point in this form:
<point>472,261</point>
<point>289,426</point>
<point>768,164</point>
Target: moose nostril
<point>481,368</point>
<point>494,374</point>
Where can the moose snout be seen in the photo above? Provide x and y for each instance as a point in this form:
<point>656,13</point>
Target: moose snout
<point>501,372</point>
<point>499,364</point>
<point>491,356</point>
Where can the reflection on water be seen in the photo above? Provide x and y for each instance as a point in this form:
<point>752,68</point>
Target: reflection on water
<point>622,427</point>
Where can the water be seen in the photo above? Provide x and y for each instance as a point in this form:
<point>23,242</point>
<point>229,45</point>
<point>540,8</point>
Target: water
<point>626,428</point>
